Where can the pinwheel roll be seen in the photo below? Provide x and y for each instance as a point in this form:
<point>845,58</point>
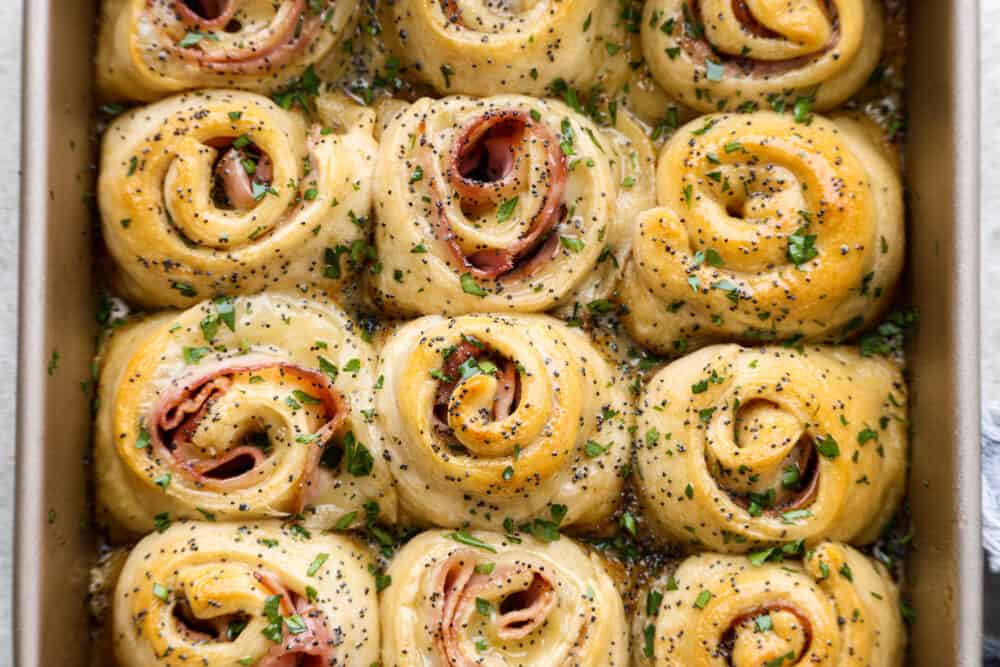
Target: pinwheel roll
<point>238,409</point>
<point>245,594</point>
<point>723,54</point>
<point>151,48</point>
<point>747,447</point>
<point>503,203</point>
<point>224,192</point>
<point>767,229</point>
<point>463,599</point>
<point>834,608</point>
<point>483,47</point>
<point>492,418</point>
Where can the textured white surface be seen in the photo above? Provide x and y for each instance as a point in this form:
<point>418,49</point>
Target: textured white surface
<point>10,94</point>
<point>10,117</point>
<point>989,162</point>
<point>990,199</point>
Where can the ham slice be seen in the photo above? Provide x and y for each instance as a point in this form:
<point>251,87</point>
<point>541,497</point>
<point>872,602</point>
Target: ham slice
<point>699,49</point>
<point>750,22</point>
<point>508,390</point>
<point>458,586</point>
<point>235,180</point>
<point>483,162</point>
<point>508,385</point>
<point>282,40</point>
<point>539,599</point>
<point>453,12</point>
<point>237,183</point>
<point>806,458</point>
<point>176,417</point>
<point>214,14</point>
<point>451,580</point>
<point>452,363</point>
<point>312,648</point>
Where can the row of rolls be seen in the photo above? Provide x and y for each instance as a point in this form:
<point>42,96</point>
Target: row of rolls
<point>711,55</point>
<point>246,436</point>
<point>276,406</point>
<point>259,593</point>
<point>757,227</point>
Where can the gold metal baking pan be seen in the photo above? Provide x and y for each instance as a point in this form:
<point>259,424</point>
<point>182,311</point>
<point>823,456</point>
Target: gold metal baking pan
<point>54,545</point>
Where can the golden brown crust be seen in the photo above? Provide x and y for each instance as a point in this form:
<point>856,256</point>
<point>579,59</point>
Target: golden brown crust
<point>454,199</point>
<point>767,229</point>
<point>224,192</point>
<point>483,47</point>
<point>225,593</point>
<point>239,409</point>
<point>545,424</point>
<point>148,49</point>
<point>742,448</point>
<point>510,600</point>
<point>715,55</point>
<point>836,607</point>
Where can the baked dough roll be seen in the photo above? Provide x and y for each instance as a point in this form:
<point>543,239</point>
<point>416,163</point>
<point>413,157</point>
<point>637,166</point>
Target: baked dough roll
<point>148,49</point>
<point>504,203</point>
<point>836,607</point>
<point>490,418</point>
<point>224,192</point>
<point>767,229</point>
<point>723,54</point>
<point>746,447</point>
<point>239,409</point>
<point>245,594</point>
<point>463,599</point>
<point>484,47</point>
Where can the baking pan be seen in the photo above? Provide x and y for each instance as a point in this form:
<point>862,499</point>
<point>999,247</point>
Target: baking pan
<point>54,545</point>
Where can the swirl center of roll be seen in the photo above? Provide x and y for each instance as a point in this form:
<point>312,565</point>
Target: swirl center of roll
<point>489,17</point>
<point>508,175</point>
<point>766,459</point>
<point>239,38</point>
<point>526,607</point>
<point>507,605</point>
<point>764,32</point>
<point>219,428</point>
<point>227,188</point>
<point>209,604</point>
<point>754,208</point>
<point>204,11</point>
<point>479,388</point>
<point>764,211</point>
<point>212,603</point>
<point>243,173</point>
<point>771,635</point>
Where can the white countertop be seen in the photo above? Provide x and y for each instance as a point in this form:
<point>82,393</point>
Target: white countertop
<point>10,93</point>
<point>990,199</point>
<point>10,170</point>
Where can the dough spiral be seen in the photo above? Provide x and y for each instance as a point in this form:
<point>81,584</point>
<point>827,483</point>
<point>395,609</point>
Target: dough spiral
<point>747,447</point>
<point>715,55</point>
<point>834,608</point>
<point>484,47</point>
<point>504,203</point>
<point>222,192</point>
<point>767,229</point>
<point>490,418</point>
<point>239,409</point>
<point>230,594</point>
<point>462,599</point>
<point>151,48</point>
